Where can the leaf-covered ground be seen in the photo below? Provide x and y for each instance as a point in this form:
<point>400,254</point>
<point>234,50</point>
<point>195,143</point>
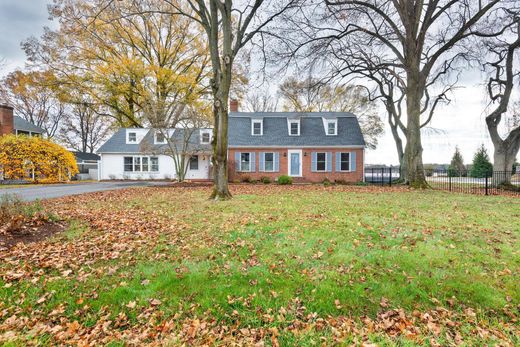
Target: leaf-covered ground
<point>275,266</point>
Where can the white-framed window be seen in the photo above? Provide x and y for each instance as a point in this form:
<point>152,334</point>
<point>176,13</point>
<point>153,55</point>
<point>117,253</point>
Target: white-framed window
<point>160,138</point>
<point>321,161</point>
<point>245,162</point>
<point>294,127</point>
<point>332,127</point>
<point>137,164</point>
<point>141,164</point>
<point>257,127</point>
<point>269,162</point>
<point>145,164</point>
<point>205,137</point>
<point>345,161</point>
<point>154,164</point>
<point>129,164</point>
<point>132,137</point>
<point>194,162</point>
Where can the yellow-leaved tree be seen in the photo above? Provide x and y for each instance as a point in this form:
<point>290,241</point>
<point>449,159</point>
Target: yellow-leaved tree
<point>35,159</point>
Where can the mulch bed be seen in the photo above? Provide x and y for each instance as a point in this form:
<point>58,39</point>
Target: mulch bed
<point>30,234</point>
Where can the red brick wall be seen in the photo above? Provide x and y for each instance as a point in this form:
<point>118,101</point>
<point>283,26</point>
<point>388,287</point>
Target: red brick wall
<point>6,120</point>
<point>307,174</point>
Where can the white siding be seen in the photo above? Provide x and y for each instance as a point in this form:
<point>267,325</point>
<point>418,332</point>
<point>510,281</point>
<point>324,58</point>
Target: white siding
<point>112,167</point>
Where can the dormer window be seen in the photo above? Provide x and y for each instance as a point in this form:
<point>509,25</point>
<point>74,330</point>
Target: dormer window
<point>132,137</point>
<point>294,127</point>
<point>257,127</point>
<point>332,127</point>
<point>205,137</point>
<point>160,138</point>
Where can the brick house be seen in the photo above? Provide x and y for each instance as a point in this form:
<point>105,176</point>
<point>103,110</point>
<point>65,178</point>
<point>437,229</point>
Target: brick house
<point>307,146</point>
<point>310,147</point>
<point>11,124</point>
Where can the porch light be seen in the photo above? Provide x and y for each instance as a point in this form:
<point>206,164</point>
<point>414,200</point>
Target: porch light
<point>304,154</point>
<point>285,154</point>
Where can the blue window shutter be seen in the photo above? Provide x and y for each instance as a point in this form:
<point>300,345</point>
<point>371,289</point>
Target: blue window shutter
<point>352,161</point>
<point>237,161</point>
<point>261,162</point>
<point>253,162</point>
<point>314,162</point>
<point>338,161</point>
<point>329,161</point>
<point>276,161</point>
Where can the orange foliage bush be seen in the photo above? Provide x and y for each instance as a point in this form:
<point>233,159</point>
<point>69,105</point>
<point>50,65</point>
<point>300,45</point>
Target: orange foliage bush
<point>36,159</point>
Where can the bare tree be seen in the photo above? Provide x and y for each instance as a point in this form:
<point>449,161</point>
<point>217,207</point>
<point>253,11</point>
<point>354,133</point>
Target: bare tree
<point>229,26</point>
<point>315,95</point>
<point>260,102</point>
<point>419,42</point>
<point>84,129</point>
<point>177,130</point>
<point>505,73</point>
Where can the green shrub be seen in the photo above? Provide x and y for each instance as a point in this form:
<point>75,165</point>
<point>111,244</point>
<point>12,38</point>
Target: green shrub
<point>284,179</point>
<point>246,179</point>
<point>361,183</point>
<point>326,182</point>
<point>265,180</point>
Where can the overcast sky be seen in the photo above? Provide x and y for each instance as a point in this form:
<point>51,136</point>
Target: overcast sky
<point>461,123</point>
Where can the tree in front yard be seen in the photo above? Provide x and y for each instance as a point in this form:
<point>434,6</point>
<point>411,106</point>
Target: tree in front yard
<point>482,167</point>
<point>35,159</point>
<point>457,167</point>
<point>503,122</point>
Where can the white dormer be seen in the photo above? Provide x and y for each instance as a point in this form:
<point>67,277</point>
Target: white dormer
<point>293,125</point>
<point>135,136</point>
<point>205,136</point>
<point>330,126</point>
<point>257,127</point>
<point>159,137</point>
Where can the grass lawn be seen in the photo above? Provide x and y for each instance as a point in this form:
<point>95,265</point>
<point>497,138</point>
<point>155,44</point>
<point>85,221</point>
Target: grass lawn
<point>276,265</point>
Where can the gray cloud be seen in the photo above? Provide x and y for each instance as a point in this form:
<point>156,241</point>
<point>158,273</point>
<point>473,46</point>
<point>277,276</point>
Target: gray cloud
<point>20,19</point>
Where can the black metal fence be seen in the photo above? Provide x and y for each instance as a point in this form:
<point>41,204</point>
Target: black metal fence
<point>485,183</point>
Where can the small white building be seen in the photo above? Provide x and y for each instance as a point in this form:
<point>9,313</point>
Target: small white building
<point>144,154</point>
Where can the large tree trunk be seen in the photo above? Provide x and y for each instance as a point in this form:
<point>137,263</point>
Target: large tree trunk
<point>504,158</point>
<point>220,146</point>
<point>413,151</point>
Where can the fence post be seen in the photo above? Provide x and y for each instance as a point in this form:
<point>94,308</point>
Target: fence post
<point>486,183</point>
<point>449,182</point>
<point>382,176</point>
<point>390,181</point>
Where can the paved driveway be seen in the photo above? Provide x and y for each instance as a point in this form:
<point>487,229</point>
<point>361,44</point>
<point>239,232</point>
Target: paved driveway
<point>58,190</point>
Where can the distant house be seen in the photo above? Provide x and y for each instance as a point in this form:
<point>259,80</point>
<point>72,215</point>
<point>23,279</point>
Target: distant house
<point>87,165</point>
<point>10,124</point>
<point>307,146</point>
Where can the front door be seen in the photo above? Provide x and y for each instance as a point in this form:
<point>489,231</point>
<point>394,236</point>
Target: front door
<point>295,163</point>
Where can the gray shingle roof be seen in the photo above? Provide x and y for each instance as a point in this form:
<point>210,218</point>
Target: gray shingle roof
<point>117,143</point>
<point>22,125</point>
<point>275,133</point>
<point>85,156</point>
<point>312,131</point>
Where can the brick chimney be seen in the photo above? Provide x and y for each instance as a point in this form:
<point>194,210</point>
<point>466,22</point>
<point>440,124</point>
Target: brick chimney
<point>6,120</point>
<point>233,105</point>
